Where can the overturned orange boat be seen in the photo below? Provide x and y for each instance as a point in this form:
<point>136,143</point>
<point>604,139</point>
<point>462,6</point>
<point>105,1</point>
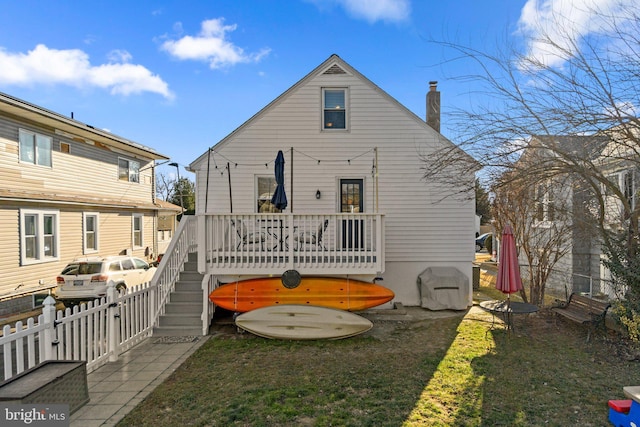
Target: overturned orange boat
<point>332,292</point>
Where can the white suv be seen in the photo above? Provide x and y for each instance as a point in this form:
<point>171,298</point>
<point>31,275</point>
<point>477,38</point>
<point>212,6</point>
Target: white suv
<point>86,279</point>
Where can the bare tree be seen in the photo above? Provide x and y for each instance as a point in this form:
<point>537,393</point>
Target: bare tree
<point>589,91</point>
<point>164,186</point>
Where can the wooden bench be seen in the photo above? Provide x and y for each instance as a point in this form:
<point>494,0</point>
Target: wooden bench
<point>584,310</point>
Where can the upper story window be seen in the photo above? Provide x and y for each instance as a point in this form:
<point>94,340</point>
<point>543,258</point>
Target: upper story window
<point>545,206</point>
<point>334,108</point>
<point>625,181</point>
<point>35,148</point>
<point>128,170</point>
<point>266,187</point>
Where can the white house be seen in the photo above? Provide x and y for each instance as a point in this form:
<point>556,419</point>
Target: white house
<point>358,205</point>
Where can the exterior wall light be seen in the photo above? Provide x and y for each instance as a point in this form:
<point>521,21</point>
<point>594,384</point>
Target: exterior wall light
<point>318,195</point>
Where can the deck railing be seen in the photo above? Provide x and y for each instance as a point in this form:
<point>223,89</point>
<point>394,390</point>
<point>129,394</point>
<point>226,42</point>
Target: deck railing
<point>232,244</point>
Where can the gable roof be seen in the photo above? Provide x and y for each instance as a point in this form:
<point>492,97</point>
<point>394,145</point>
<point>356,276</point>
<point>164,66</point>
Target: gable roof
<point>332,65</point>
<point>71,128</point>
<point>586,147</point>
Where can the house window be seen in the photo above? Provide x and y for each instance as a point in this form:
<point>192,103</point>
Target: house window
<point>35,148</point>
<point>136,227</point>
<point>351,192</point>
<point>266,187</point>
<point>90,224</point>
<point>626,183</point>
<point>39,236</point>
<point>334,108</point>
<point>128,170</point>
<point>545,208</point>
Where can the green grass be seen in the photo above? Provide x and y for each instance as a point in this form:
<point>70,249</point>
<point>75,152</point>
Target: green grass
<point>441,372</point>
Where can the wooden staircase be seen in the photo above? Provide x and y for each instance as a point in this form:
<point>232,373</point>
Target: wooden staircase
<point>183,315</point>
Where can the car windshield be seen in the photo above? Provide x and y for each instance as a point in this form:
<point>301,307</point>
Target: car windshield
<point>82,268</point>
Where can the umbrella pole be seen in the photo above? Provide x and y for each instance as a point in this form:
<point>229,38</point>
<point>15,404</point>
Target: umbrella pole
<point>509,317</point>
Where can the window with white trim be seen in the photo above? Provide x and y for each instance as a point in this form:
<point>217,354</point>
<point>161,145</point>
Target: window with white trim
<point>136,231</point>
<point>39,236</point>
<point>626,182</point>
<point>334,108</point>
<point>266,186</point>
<point>545,207</point>
<point>90,231</point>
<point>128,170</point>
<point>35,148</point>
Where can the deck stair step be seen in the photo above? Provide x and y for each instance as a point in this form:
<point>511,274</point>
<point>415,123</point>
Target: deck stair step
<point>182,315</point>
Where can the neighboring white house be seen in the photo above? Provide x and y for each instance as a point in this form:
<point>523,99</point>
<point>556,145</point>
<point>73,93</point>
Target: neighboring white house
<point>354,171</point>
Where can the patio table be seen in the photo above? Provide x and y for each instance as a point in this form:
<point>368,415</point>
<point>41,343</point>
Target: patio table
<point>507,309</point>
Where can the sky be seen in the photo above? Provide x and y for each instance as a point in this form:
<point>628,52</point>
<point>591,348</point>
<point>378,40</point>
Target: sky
<point>179,76</point>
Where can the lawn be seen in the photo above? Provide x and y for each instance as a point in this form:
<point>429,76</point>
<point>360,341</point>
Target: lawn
<point>407,371</point>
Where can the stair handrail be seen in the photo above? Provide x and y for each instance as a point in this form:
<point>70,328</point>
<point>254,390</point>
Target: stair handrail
<point>172,263</point>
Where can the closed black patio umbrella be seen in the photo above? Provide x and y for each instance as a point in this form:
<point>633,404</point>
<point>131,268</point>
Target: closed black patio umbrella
<point>279,198</point>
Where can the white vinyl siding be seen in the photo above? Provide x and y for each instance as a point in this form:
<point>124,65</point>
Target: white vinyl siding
<point>90,221</point>
<point>425,221</point>
<point>39,236</point>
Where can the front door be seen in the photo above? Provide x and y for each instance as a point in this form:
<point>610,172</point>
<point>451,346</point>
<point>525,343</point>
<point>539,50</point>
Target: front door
<point>351,201</point>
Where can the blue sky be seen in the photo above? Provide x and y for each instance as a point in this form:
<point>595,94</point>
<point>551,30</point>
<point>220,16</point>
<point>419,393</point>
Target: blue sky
<point>179,76</point>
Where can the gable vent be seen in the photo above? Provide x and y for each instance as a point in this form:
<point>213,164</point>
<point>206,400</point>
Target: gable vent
<point>335,69</point>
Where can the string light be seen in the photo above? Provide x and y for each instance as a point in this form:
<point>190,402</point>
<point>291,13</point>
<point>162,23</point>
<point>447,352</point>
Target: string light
<point>266,165</point>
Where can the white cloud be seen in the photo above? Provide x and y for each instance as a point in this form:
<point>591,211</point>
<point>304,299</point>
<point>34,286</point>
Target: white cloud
<point>372,10</point>
<point>211,45</point>
<point>566,23</point>
<point>43,65</point>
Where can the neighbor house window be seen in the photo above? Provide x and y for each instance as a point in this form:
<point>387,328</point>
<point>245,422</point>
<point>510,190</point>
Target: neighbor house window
<point>90,224</point>
<point>137,231</point>
<point>266,187</point>
<point>35,148</point>
<point>128,170</point>
<point>39,236</point>
<point>334,108</point>
<point>626,183</point>
<point>545,208</point>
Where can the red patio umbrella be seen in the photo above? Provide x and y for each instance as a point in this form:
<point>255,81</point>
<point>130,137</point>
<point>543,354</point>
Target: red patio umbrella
<point>508,280</point>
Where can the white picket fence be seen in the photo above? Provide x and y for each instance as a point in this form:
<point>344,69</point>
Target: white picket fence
<point>97,332</point>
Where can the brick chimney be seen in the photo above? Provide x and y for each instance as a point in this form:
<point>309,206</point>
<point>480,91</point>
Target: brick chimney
<point>433,106</point>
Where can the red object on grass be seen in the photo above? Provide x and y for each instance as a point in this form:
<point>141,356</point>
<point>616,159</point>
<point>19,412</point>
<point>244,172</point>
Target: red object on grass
<point>620,405</point>
<point>509,280</point>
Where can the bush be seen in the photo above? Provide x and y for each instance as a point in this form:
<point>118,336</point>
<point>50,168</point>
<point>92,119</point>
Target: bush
<point>623,262</point>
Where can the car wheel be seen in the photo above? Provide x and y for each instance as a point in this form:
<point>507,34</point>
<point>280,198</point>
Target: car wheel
<point>478,248</point>
<point>121,287</point>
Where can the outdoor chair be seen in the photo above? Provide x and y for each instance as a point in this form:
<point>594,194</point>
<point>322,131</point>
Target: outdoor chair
<point>313,238</point>
<point>246,237</point>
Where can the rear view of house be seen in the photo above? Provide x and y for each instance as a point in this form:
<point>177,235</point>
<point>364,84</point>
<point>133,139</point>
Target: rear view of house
<point>68,190</point>
<point>358,205</point>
